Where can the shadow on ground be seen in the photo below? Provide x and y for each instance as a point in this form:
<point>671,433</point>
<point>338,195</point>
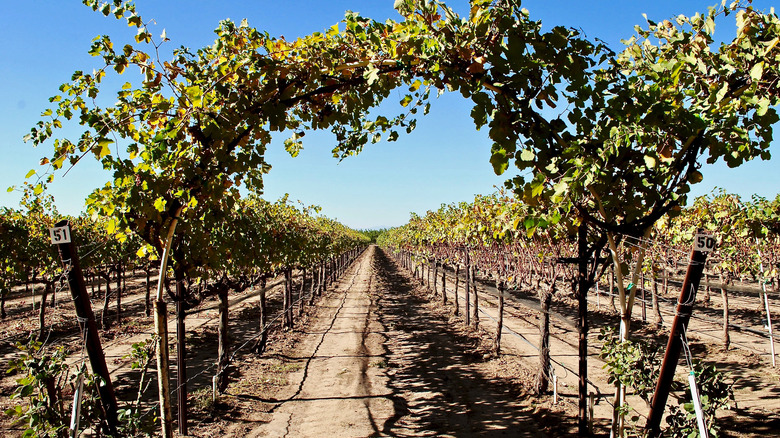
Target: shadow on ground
<point>436,373</point>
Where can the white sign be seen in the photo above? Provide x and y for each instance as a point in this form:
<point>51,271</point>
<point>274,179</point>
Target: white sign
<point>59,235</point>
<point>704,243</point>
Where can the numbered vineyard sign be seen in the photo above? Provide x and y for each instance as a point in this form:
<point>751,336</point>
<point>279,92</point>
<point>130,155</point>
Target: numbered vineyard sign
<point>59,235</point>
<point>704,243</point>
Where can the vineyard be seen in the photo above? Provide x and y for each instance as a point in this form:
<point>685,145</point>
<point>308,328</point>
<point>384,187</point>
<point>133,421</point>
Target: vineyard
<point>477,249</point>
<point>591,295</point>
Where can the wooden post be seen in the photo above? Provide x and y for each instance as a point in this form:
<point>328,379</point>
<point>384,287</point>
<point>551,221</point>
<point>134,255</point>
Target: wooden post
<point>435,274</point>
<point>468,289</point>
<point>457,282</point>
<point>224,339</point>
<point>181,355</point>
<point>301,301</point>
<point>476,299</point>
<point>119,276</point>
<point>78,290</point>
<point>260,345</point>
<point>161,331</point>
<point>163,367</point>
<point>500,324</point>
<point>766,307</point>
<point>702,244</point>
<point>444,284</point>
<point>644,301</point>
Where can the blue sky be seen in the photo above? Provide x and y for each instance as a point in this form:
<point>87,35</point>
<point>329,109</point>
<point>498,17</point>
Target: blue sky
<point>444,160</point>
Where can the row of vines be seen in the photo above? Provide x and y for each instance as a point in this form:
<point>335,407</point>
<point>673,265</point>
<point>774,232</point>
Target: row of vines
<point>256,241</point>
<point>496,238</point>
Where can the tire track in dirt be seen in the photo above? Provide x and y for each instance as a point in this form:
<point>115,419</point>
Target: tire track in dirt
<point>379,361</point>
<point>337,391</point>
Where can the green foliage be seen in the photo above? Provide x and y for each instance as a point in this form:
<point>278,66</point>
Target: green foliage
<point>633,364</point>
<point>714,395</point>
<point>637,365</point>
<point>132,421</point>
<point>43,379</point>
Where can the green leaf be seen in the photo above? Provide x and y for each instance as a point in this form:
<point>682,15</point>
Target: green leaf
<point>722,92</point>
<point>499,161</point>
<point>372,74</point>
<point>757,71</point>
<point>650,162</point>
<point>30,173</point>
<point>195,95</point>
<point>159,204</point>
<point>763,107</point>
<point>103,144</point>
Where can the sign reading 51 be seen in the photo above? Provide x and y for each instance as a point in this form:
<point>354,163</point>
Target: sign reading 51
<point>59,235</point>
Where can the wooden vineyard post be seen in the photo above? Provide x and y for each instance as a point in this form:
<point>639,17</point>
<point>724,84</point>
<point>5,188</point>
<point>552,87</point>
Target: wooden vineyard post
<point>582,326</point>
<point>457,281</point>
<point>500,323</point>
<point>181,356</point>
<point>703,243</point>
<point>301,293</point>
<point>443,284</point>
<point>435,274</point>
<point>468,289</point>
<point>161,332</point>
<point>224,340</point>
<point>312,290</point>
<point>476,299</point>
<point>61,236</point>
<point>766,306</point>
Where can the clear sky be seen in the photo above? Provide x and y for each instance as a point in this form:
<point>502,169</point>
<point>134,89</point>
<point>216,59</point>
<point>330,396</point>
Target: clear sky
<point>444,160</point>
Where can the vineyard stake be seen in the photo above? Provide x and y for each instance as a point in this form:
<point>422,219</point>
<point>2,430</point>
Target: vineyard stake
<point>181,354</point>
<point>591,398</point>
<point>766,306</point>
<point>97,359</point>
<point>161,331</point>
<point>582,324</point>
<point>443,284</point>
<point>468,289</point>
<point>679,326</point>
<point>457,281</point>
<point>585,257</point>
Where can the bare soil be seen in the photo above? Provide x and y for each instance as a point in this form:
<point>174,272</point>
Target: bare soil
<point>379,359</point>
<point>379,355</point>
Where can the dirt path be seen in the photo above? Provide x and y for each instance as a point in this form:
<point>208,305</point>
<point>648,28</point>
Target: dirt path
<point>379,361</point>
